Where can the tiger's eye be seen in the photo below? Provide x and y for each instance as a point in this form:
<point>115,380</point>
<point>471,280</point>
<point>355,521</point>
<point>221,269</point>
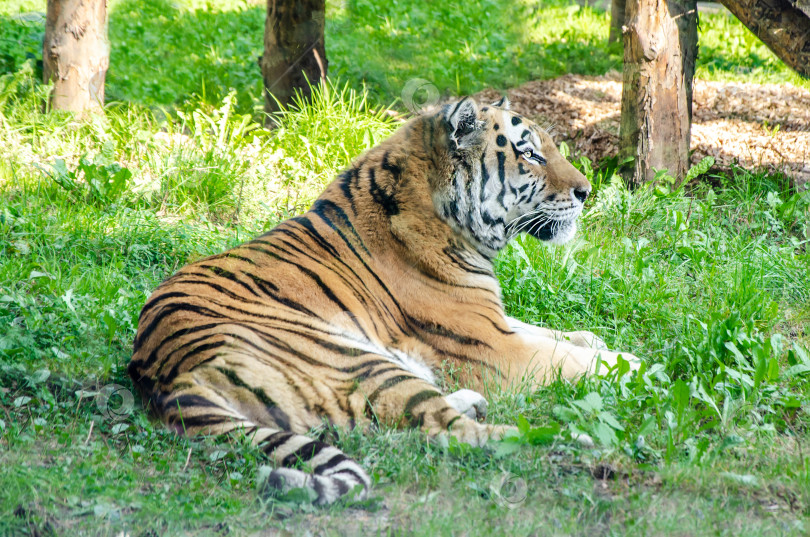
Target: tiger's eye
<point>527,154</point>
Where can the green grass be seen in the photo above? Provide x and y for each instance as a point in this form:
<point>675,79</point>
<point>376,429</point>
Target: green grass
<point>709,283</point>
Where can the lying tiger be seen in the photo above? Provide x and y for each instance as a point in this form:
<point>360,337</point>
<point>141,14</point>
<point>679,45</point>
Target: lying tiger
<point>348,313</point>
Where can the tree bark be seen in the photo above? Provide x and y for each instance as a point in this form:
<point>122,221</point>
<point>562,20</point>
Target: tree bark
<point>783,25</point>
<point>685,13</point>
<point>294,54</point>
<point>659,59</point>
<point>617,10</point>
<point>76,53</point>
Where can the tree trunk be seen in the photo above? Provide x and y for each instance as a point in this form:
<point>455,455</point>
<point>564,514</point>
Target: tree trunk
<point>617,10</point>
<point>76,53</point>
<point>659,60</point>
<point>783,25</point>
<point>294,55</point>
<point>685,13</point>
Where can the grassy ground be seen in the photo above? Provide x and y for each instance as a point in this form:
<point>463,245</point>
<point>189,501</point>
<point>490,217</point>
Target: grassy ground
<point>709,284</point>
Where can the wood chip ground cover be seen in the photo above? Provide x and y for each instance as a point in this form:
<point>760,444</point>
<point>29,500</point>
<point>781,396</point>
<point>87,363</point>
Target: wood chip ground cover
<point>753,125</point>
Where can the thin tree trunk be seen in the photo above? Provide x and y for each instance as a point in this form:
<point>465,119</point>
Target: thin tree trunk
<point>783,25</point>
<point>617,10</point>
<point>657,86</point>
<point>294,54</point>
<point>76,53</point>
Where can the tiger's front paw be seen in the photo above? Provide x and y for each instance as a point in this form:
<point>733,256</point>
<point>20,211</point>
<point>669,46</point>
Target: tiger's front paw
<point>469,403</point>
<point>478,434</point>
<point>584,338</point>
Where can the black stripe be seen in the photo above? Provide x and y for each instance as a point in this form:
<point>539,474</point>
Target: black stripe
<point>304,453</point>
<point>275,440</point>
<point>199,310</point>
<point>457,260</point>
<point>379,282</point>
<point>317,486</point>
<point>266,286</point>
<point>458,105</point>
<point>258,392</point>
<point>188,400</point>
<point>281,299</point>
<point>393,169</point>
<point>436,329</point>
<point>230,294</point>
<point>352,473</point>
<point>385,199</point>
<point>231,255</point>
<point>152,303</point>
<point>501,163</point>
<point>331,463</point>
<point>452,421</point>
<point>390,383</point>
<point>417,399</point>
<point>204,420</point>
<point>171,337</point>
<point>484,174</point>
<point>494,324</point>
<point>345,186</point>
<point>342,486</point>
<point>305,222</point>
<point>329,212</point>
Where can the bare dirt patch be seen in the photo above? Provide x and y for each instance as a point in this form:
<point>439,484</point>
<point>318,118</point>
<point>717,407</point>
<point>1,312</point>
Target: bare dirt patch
<point>753,125</point>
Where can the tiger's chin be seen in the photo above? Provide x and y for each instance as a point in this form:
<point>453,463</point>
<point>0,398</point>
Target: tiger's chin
<point>555,231</point>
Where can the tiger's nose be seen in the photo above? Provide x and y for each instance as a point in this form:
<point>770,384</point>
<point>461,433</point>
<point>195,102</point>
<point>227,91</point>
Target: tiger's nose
<point>581,193</point>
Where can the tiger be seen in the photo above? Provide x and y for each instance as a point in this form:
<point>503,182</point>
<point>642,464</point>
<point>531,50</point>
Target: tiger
<point>350,314</point>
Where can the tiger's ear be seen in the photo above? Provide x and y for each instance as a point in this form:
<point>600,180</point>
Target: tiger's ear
<point>503,103</point>
<point>464,123</point>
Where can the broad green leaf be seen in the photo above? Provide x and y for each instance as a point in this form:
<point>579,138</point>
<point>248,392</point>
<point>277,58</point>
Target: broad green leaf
<point>590,403</point>
<point>566,414</point>
<point>798,369</point>
<point>605,434</point>
<point>680,394</point>
<point>773,369</point>
<point>647,426</point>
<point>523,425</point>
<point>608,418</point>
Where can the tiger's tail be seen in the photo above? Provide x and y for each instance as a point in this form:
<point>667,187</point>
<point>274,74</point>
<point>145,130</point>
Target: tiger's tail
<point>333,474</point>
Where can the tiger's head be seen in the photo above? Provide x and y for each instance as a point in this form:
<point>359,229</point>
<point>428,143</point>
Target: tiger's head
<point>506,176</point>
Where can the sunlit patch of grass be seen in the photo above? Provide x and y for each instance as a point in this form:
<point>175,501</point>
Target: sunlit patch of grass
<point>729,51</point>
